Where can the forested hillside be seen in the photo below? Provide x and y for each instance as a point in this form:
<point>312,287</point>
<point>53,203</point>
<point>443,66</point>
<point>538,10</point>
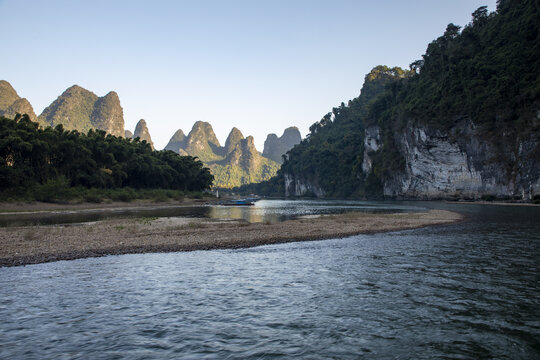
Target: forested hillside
<point>461,122</point>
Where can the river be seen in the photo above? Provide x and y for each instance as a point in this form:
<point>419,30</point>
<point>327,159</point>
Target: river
<point>468,290</point>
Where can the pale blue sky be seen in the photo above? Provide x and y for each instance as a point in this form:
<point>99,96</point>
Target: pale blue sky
<point>258,65</point>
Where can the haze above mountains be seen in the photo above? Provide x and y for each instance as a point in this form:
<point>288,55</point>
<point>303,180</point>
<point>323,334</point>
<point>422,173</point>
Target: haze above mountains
<point>237,162</point>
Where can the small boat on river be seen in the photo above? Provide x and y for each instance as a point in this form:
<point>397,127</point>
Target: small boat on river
<point>239,202</point>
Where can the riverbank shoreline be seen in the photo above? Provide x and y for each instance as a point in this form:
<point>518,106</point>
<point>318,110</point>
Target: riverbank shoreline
<point>498,203</point>
<point>41,207</point>
<point>28,245</point>
<point>36,206</point>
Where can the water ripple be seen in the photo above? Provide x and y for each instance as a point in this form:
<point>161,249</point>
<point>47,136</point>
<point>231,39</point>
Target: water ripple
<point>464,291</point>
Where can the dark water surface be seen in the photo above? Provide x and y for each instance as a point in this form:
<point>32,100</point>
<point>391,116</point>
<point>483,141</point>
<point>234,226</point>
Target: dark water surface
<point>263,211</point>
<point>464,291</point>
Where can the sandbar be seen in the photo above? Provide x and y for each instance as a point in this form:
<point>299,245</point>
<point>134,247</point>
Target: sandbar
<point>27,245</point>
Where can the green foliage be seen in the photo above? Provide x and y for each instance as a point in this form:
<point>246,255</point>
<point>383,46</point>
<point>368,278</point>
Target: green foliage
<point>333,151</point>
<point>54,190</point>
<point>273,187</point>
<point>55,162</point>
<point>488,73</point>
<point>73,109</point>
<point>228,176</point>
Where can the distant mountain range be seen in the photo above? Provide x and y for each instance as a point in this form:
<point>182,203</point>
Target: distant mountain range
<point>237,162</point>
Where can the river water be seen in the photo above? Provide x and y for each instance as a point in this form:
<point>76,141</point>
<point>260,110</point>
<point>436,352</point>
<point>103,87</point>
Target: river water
<point>464,291</point>
<point>264,211</point>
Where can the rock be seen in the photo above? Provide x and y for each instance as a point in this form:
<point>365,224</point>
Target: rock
<point>235,136</point>
<point>141,132</point>
<point>460,164</point>
<point>275,148</point>
<point>8,95</point>
<point>297,186</point>
<point>128,134</point>
<point>108,115</point>
<point>82,110</point>
<point>177,141</point>
<point>11,104</point>
<point>202,142</point>
<point>236,163</point>
<point>372,143</point>
<point>243,165</point>
<point>20,106</point>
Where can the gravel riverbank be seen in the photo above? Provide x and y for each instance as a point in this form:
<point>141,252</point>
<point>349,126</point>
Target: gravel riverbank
<point>38,244</point>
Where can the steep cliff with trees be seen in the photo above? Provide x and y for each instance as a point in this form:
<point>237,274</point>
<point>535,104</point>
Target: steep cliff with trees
<point>462,122</point>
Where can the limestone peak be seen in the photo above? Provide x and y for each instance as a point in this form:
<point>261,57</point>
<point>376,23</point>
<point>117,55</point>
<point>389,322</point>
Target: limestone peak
<point>177,141</point>
<point>142,132</point>
<point>234,138</point>
<point>80,109</point>
<point>275,148</point>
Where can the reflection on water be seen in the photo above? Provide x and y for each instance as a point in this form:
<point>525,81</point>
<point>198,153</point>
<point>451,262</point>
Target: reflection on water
<point>263,211</point>
<point>464,291</point>
<point>80,216</point>
<point>279,210</point>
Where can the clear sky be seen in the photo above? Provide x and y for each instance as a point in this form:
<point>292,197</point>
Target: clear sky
<point>259,65</point>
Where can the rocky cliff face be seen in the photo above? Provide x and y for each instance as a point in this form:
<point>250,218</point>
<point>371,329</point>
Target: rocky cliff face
<point>8,95</point>
<point>141,132</point>
<point>12,104</point>
<point>82,110</point>
<point>235,136</point>
<point>108,115</point>
<point>372,143</point>
<point>298,186</point>
<point>275,147</point>
<point>202,142</point>
<point>291,136</point>
<point>236,163</point>
<point>459,164</point>
<point>177,141</point>
<point>245,155</point>
<point>243,164</point>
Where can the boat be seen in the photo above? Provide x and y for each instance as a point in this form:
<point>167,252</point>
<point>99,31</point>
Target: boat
<point>238,202</point>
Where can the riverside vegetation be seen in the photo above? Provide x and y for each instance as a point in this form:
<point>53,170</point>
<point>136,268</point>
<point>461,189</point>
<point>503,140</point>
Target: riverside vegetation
<point>476,92</point>
<point>49,164</point>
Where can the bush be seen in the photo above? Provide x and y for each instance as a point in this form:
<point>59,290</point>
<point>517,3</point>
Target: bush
<point>93,198</point>
<point>56,190</point>
<point>488,197</point>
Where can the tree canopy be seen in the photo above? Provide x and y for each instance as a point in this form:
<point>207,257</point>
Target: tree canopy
<point>489,72</point>
<point>31,155</point>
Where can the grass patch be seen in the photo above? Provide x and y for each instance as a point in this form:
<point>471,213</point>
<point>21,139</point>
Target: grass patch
<point>59,191</point>
<point>147,220</point>
<point>195,225</point>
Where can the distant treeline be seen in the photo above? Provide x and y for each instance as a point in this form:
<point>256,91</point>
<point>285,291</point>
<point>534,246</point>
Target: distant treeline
<point>31,157</point>
<point>488,72</point>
